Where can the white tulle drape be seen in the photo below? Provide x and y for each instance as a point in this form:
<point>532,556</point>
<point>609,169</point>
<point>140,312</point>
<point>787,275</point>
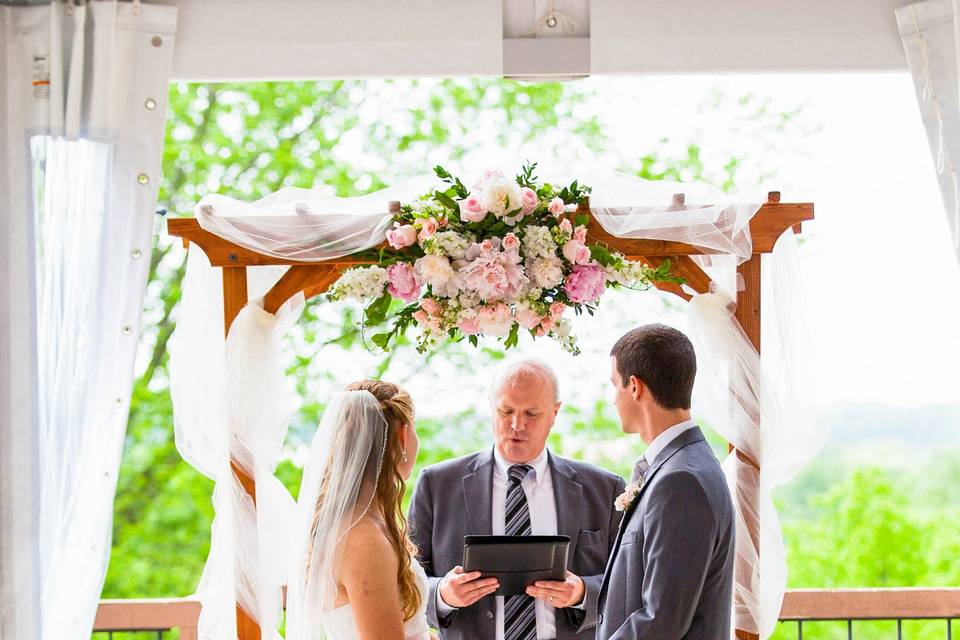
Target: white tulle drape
<point>761,406</point>
<point>757,408</point>
<point>231,402</point>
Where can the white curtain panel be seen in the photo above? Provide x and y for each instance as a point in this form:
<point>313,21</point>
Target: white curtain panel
<point>84,98</point>
<point>931,39</point>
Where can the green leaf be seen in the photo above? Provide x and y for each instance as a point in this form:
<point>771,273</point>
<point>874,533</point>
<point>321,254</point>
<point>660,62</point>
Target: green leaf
<point>446,201</point>
<point>376,311</point>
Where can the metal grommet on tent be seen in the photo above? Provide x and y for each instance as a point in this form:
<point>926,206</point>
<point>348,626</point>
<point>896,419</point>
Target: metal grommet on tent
<point>127,330</point>
<point>156,41</point>
<point>136,253</point>
<point>143,178</point>
<point>150,104</point>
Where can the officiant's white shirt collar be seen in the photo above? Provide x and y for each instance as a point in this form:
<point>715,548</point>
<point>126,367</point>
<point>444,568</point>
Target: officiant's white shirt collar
<point>539,464</point>
<point>661,441</point>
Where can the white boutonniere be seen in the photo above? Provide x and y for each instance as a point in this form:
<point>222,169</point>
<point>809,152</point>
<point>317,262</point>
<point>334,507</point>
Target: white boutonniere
<point>625,499</point>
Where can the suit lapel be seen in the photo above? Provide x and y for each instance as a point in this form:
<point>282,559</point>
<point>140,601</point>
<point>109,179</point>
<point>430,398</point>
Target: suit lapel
<point>689,436</point>
<point>477,489</point>
<point>568,494</point>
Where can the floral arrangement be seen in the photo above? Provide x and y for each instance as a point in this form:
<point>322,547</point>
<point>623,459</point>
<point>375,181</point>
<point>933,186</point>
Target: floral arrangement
<point>506,254</point>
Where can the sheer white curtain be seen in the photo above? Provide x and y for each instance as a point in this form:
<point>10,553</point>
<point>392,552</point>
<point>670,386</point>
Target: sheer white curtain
<point>84,96</point>
<point>931,39</point>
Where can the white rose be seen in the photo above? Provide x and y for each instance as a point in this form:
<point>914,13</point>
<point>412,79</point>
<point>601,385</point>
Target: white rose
<point>502,197</point>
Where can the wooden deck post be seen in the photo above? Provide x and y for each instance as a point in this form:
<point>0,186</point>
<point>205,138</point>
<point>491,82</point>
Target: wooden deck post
<point>748,315</point>
<point>234,299</point>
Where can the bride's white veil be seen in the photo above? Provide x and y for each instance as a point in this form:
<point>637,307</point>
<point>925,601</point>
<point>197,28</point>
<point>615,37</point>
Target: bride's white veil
<point>338,488</point>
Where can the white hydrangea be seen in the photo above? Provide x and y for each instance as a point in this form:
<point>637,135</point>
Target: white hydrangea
<point>538,242</point>
<point>360,284</point>
<point>452,244</point>
<point>630,274</point>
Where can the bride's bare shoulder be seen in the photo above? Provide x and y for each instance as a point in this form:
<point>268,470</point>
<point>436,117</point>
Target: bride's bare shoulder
<point>367,542</point>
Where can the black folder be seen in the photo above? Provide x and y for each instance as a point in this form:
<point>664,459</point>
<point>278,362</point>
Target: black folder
<point>516,561</point>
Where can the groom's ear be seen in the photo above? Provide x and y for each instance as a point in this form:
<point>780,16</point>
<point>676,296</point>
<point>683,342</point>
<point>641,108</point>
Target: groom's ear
<point>637,388</point>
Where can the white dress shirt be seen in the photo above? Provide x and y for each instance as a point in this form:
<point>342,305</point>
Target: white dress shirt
<point>538,487</point>
<point>661,441</point>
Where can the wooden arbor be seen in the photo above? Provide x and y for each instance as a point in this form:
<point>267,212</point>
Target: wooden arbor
<point>313,278</point>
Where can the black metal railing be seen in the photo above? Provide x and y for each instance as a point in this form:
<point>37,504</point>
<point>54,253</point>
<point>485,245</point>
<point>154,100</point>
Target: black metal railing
<point>869,614</point>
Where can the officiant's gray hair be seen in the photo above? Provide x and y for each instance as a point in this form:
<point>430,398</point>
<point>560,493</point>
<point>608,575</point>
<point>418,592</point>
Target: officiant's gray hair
<point>521,369</point>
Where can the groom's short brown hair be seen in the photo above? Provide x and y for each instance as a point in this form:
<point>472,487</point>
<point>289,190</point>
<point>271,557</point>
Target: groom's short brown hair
<point>663,359</point>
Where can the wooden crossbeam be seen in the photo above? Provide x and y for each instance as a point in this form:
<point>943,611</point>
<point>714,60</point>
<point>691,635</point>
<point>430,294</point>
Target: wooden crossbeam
<point>766,227</point>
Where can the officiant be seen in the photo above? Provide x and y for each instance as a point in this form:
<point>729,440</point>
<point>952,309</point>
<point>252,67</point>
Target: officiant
<point>517,487</point>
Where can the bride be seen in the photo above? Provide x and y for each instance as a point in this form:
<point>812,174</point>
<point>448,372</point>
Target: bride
<point>357,575</point>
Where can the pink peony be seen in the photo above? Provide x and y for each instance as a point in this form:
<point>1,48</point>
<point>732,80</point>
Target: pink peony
<point>511,242</point>
<point>472,209</point>
<point>585,283</point>
<point>431,306</point>
<point>402,236</point>
<point>576,253</point>
<point>495,276</point>
<point>556,207</point>
<point>580,234</point>
<point>402,282</point>
<point>556,310</point>
<point>428,228</point>
<point>528,200</point>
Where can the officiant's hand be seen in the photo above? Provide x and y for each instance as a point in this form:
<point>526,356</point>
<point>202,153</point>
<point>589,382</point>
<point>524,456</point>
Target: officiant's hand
<point>559,594</point>
<point>459,589</point>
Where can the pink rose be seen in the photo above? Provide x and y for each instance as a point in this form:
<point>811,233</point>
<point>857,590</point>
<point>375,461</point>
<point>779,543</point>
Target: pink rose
<point>576,252</point>
<point>541,332</point>
<point>556,207</point>
<point>469,326</point>
<point>431,306</point>
<point>472,209</point>
<point>421,317</point>
<point>580,234</point>
<point>511,242</point>
<point>527,318</point>
<point>547,323</point>
<point>442,222</point>
<point>402,236</point>
<point>585,283</point>
<point>402,282</point>
<point>528,200</point>
<point>487,246</point>
<point>428,228</point>
<point>566,227</point>
<point>556,310</point>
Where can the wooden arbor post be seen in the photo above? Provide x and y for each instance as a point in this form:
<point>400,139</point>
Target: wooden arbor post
<point>314,278</point>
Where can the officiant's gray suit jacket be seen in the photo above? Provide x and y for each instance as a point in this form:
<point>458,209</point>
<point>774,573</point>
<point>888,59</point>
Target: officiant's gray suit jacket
<point>670,574</point>
<point>453,499</point>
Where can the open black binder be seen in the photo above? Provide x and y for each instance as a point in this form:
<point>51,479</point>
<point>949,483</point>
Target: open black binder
<point>516,561</point>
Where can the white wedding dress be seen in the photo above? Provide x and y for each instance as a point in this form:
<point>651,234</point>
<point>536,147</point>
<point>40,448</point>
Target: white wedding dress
<point>341,625</point>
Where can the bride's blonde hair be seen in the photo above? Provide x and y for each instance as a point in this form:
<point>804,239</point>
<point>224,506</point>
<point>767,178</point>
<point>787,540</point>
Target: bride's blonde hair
<point>397,407</point>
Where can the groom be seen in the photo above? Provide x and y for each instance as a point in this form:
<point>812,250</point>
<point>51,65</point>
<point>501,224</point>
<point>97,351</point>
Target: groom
<point>517,488</point>
<point>670,574</point>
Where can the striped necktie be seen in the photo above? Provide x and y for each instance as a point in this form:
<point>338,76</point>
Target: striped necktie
<point>519,612</point>
<point>639,470</point>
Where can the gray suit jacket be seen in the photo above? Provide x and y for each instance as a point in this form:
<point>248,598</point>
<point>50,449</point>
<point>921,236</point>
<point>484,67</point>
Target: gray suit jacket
<point>453,499</point>
<point>670,574</point>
